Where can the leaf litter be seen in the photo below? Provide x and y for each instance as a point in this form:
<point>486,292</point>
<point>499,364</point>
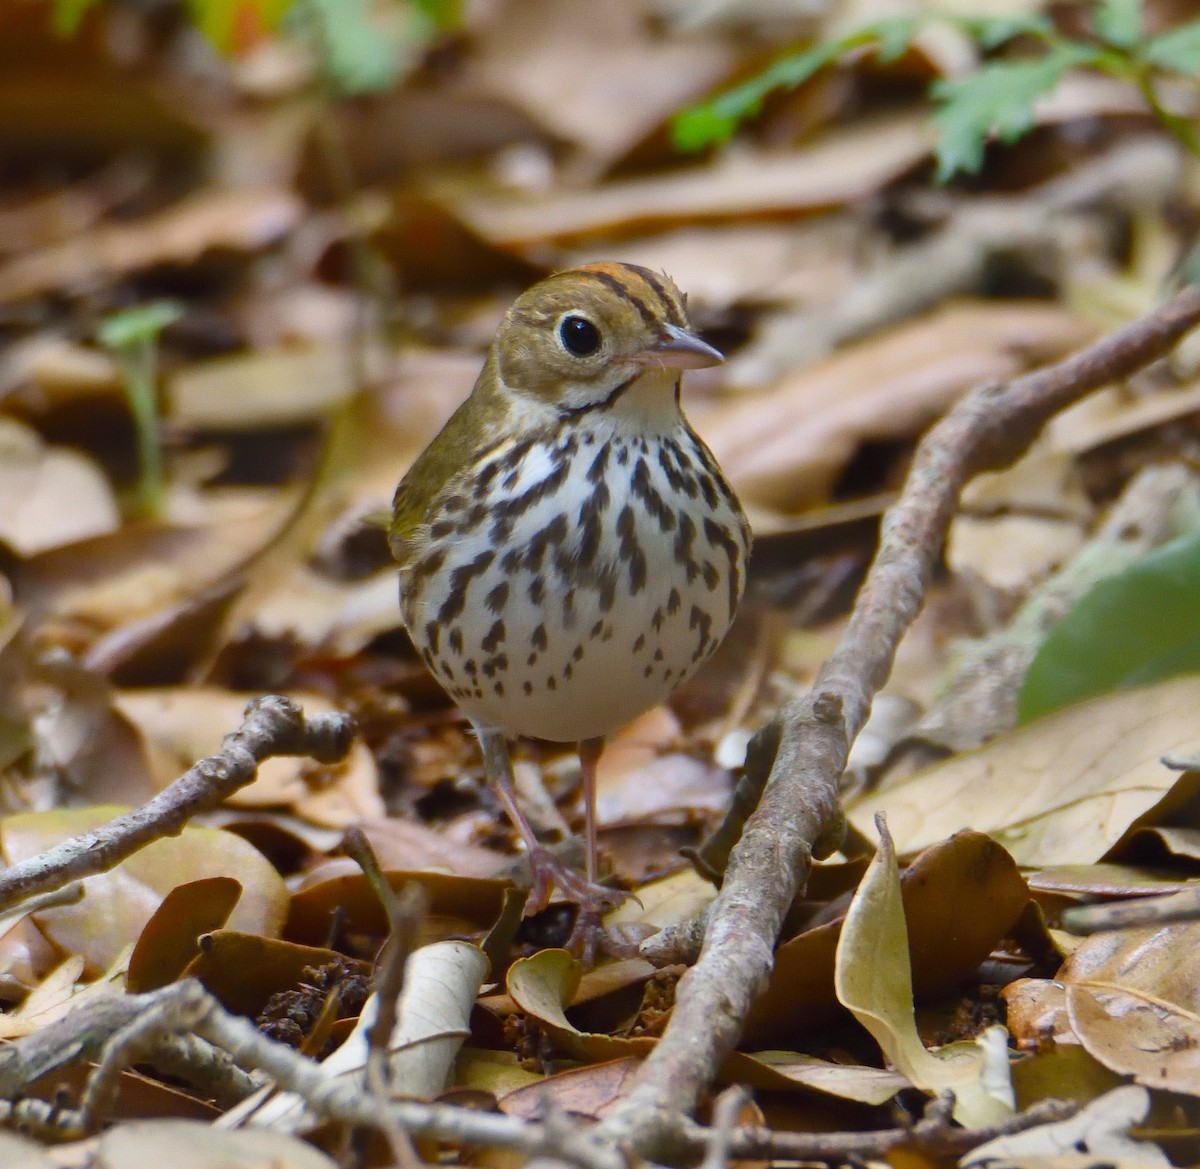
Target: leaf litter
<point>328,330</point>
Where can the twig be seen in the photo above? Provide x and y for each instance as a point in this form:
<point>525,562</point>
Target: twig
<point>725,1114</point>
<point>955,258</point>
<point>934,1135</point>
<point>404,913</point>
<point>274,725</point>
<point>809,739</point>
<point>188,1007</point>
<point>115,1031</point>
<point>1123,915</point>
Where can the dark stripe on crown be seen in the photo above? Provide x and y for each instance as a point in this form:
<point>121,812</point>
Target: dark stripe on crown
<point>674,316</point>
<point>621,288</point>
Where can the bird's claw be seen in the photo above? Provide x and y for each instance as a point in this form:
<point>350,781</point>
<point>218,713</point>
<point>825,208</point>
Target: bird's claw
<point>593,900</point>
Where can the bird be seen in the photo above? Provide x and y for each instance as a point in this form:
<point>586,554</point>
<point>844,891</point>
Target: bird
<point>569,551</point>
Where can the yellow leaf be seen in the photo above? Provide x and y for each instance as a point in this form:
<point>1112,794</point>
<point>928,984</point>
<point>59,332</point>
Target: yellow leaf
<point>873,980</point>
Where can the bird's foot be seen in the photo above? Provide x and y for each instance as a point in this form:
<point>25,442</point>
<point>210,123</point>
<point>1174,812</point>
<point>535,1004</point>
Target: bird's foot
<point>593,900</point>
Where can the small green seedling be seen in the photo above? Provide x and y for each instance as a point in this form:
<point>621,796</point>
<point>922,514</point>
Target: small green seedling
<point>133,335</point>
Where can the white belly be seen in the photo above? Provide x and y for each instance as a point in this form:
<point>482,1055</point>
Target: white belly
<point>586,607</point>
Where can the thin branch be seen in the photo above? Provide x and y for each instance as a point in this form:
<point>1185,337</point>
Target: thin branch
<point>1124,915</point>
<point>809,739</point>
<point>274,725</point>
<point>935,1135</point>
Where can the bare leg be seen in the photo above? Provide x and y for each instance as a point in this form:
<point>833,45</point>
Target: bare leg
<point>548,871</point>
<point>589,759</point>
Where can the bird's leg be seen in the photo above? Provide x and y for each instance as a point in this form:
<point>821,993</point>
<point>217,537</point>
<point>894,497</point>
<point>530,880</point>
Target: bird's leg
<point>548,871</point>
<point>589,760</point>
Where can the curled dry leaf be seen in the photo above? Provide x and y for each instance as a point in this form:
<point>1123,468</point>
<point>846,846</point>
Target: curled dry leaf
<point>968,880</point>
<point>441,983</point>
<point>171,937</point>
<point>873,978</point>
<point>544,985</point>
<point>1064,790</point>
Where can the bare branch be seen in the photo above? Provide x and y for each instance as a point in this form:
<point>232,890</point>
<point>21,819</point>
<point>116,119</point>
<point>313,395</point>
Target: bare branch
<point>274,725</point>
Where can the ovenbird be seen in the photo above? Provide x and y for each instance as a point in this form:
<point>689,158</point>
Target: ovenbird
<point>569,551</point>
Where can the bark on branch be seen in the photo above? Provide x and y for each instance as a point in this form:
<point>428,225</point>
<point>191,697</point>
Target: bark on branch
<point>274,725</point>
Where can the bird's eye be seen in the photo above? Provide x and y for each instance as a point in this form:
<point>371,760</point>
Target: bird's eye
<point>579,336</point>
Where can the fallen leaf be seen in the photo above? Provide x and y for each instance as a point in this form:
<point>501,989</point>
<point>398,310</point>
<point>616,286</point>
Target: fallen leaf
<point>784,449</point>
<point>171,937</point>
<point>1099,1133</point>
<point>49,496</point>
<point>237,220</point>
<point>441,982</point>
<point>839,168</point>
<point>1064,790</point>
<point>185,1144</point>
<point>118,904</point>
<point>186,723</point>
<point>873,979</point>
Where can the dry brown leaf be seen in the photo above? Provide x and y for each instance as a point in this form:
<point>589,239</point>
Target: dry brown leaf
<point>597,75</point>
<point>243,970</point>
<point>235,220</point>
<point>839,168</point>
<point>171,937</point>
<point>407,844</point>
<point>805,263</point>
<point>49,496</point>
<point>141,569</point>
<point>586,1092</point>
<point>118,904</point>
<point>183,724</point>
<point>967,880</point>
<point>1064,790</point>
<point>268,388</point>
<point>785,448</point>
<point>1137,1034</point>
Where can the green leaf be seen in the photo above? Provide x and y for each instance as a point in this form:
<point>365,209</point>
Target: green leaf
<point>442,14</point>
<point>1138,626</point>
<point>68,15</point>
<point>362,53</point>
<point>137,325</point>
<point>998,99</point>
<point>715,120</point>
<point>1119,22</point>
<point>1177,50</point>
<point>990,32</point>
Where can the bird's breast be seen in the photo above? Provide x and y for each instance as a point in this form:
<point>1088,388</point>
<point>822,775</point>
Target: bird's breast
<point>573,580</point>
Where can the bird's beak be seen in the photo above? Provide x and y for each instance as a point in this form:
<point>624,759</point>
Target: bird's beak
<point>678,349</point>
